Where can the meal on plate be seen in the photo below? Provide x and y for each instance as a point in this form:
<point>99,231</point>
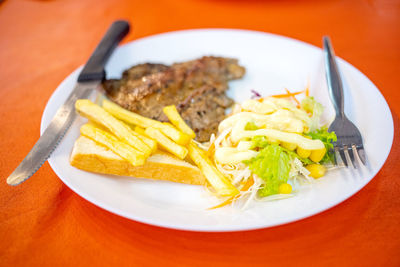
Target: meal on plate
<point>265,149</point>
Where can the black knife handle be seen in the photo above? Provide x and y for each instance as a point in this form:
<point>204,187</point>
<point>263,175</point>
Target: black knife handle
<point>94,68</point>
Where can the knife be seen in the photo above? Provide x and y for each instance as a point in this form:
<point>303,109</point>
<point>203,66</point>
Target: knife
<point>89,79</point>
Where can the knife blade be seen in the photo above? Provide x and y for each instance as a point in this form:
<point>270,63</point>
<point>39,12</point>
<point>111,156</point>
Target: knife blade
<point>88,80</point>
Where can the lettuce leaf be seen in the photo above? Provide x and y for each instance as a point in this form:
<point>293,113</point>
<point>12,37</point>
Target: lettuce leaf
<point>259,142</point>
<point>310,105</point>
<point>327,138</point>
<point>272,165</point>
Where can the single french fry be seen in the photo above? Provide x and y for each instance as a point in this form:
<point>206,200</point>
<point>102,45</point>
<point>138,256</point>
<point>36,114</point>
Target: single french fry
<point>143,122</point>
<point>126,115</point>
<point>173,115</point>
<point>217,180</point>
<point>169,130</point>
<point>136,158</point>
<point>101,127</point>
<point>166,143</point>
<point>148,141</point>
<point>122,131</point>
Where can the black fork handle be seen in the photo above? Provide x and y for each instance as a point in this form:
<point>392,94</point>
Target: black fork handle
<point>333,78</point>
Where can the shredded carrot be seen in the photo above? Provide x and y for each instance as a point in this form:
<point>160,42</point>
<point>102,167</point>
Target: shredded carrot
<point>293,96</point>
<point>246,187</point>
<point>226,202</point>
<point>248,184</point>
<point>297,102</point>
<point>288,94</point>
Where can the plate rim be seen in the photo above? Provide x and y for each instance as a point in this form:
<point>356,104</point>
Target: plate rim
<point>223,228</point>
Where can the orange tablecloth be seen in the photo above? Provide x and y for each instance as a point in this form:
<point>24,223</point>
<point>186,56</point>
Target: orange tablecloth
<point>44,223</point>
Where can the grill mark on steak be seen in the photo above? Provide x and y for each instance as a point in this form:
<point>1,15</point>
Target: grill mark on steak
<point>196,87</point>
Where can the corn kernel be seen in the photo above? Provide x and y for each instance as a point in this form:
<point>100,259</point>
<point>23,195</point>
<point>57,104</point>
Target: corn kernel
<point>317,155</point>
<point>289,146</point>
<point>285,188</point>
<point>303,153</point>
<point>316,170</point>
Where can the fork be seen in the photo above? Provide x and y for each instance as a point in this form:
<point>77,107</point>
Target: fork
<point>349,142</point>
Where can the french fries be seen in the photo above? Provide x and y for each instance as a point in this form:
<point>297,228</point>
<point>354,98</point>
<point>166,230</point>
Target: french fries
<point>217,180</point>
<point>135,142</point>
<point>97,114</point>
<point>106,139</point>
<point>166,143</point>
<point>148,141</point>
<point>143,122</point>
<point>172,113</point>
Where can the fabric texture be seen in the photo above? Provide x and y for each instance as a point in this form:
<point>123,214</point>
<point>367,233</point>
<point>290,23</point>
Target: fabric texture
<point>44,223</point>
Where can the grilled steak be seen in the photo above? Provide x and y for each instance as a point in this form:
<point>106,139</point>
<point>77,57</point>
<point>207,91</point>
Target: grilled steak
<point>196,87</point>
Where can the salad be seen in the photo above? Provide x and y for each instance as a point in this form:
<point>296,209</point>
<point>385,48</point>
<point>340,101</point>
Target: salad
<point>270,146</point>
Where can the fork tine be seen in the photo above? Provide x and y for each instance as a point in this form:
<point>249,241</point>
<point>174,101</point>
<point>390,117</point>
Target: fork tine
<point>351,151</point>
<point>361,154</point>
<point>343,157</point>
<point>336,153</point>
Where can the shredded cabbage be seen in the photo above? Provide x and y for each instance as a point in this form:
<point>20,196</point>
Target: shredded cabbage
<point>310,105</point>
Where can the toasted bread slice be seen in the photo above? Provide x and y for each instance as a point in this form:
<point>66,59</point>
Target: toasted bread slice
<point>89,156</point>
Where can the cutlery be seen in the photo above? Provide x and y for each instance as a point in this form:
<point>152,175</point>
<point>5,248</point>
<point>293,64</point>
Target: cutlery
<point>349,142</point>
<point>89,79</point>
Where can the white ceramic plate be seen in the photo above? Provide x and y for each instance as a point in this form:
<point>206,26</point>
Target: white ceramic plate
<point>273,63</point>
